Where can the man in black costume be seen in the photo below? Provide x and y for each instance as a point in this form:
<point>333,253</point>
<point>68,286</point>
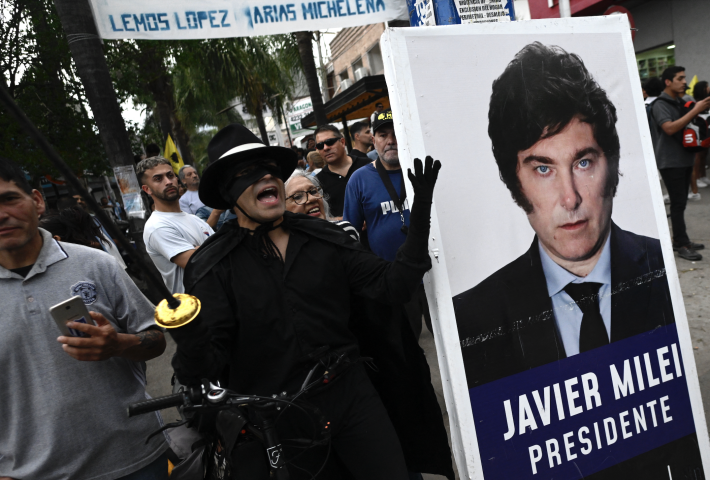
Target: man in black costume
<point>276,288</point>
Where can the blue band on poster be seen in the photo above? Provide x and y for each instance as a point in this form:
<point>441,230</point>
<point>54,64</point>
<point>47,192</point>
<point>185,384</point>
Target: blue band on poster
<point>571,417</point>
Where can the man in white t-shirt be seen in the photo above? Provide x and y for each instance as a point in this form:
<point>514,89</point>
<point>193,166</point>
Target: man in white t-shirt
<point>190,201</point>
<point>171,236</point>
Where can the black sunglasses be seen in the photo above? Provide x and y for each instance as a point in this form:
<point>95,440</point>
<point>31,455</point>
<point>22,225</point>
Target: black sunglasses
<point>330,142</point>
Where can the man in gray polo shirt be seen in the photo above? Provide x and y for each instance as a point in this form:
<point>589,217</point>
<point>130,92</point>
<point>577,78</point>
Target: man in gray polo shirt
<point>63,402</point>
<point>675,162</point>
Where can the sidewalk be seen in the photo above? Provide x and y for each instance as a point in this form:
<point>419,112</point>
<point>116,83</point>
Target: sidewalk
<point>695,285</point>
<point>694,282</point>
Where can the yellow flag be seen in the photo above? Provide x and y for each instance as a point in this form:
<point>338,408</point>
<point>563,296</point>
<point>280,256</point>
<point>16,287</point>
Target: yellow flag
<point>172,154</point>
<point>691,85</point>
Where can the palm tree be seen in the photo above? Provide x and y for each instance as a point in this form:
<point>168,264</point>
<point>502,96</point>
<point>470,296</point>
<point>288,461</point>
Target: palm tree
<point>305,49</point>
<point>91,67</point>
<point>255,70</point>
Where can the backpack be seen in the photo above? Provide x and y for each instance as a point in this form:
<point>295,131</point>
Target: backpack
<point>653,127</point>
<point>695,137</point>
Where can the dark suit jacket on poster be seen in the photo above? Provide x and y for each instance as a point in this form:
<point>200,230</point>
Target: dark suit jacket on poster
<point>506,326</point>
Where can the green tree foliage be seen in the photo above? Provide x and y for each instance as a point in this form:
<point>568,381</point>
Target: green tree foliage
<point>194,83</point>
<point>38,71</point>
<point>188,88</point>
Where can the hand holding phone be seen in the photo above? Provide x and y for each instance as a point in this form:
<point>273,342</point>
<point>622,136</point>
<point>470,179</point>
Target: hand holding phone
<point>72,310</point>
<point>100,342</point>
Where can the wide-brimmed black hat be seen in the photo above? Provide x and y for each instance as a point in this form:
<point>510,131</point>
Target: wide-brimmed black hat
<point>232,145</point>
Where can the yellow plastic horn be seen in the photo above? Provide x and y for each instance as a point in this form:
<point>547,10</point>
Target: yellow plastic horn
<point>188,310</point>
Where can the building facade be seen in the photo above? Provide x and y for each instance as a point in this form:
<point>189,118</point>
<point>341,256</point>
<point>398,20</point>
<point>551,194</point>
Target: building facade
<point>355,52</point>
<point>668,31</point>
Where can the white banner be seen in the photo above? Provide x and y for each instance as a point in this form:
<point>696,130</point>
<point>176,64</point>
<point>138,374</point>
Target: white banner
<point>190,19</point>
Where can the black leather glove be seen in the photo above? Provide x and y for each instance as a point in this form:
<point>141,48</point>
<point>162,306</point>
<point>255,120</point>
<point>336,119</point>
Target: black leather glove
<point>423,180</point>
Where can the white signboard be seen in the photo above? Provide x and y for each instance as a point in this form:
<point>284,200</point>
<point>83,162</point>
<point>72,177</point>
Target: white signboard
<point>485,11</point>
<point>558,317</point>
<point>425,12</point>
<point>296,112</point>
<point>185,19</point>
<point>130,191</point>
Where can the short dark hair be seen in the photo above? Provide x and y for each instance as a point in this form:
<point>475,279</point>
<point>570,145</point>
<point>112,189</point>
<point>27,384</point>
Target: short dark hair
<point>700,90</point>
<point>654,86</point>
<point>152,150</point>
<point>541,90</point>
<point>327,128</point>
<point>670,73</point>
<point>73,225</point>
<point>11,172</point>
<point>358,127</point>
<point>147,164</point>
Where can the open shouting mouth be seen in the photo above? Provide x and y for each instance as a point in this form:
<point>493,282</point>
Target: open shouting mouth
<point>268,196</point>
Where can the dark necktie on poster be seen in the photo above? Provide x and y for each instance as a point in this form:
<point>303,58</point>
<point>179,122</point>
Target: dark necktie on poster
<point>593,332</point>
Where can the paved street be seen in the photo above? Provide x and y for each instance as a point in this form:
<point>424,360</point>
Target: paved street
<point>695,284</point>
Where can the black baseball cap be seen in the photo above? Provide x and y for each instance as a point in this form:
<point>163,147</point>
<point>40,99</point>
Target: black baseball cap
<point>383,118</point>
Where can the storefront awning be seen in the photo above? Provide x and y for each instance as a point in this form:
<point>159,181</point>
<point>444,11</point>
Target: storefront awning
<point>358,101</point>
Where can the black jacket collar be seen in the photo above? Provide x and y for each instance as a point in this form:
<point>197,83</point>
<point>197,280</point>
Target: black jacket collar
<point>230,236</point>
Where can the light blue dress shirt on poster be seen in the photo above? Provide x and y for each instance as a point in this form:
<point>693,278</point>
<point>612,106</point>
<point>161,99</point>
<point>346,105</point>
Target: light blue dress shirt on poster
<point>568,316</point>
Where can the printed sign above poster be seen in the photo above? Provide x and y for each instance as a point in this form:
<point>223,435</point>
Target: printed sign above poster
<point>560,325</point>
<point>485,11</point>
<point>187,19</point>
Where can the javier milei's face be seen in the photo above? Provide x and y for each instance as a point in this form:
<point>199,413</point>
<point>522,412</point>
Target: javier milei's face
<point>564,177</point>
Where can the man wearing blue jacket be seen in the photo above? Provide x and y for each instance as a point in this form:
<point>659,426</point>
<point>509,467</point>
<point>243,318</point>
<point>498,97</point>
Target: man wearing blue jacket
<point>375,197</point>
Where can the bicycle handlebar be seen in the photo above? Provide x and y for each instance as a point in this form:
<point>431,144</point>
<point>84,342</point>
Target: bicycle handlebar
<point>155,404</point>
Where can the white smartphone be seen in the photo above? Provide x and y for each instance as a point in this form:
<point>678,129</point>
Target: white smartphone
<point>72,310</point>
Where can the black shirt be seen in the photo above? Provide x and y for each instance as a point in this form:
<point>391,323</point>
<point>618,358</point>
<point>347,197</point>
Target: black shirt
<point>270,321</point>
<point>23,271</point>
<point>334,184</point>
<point>357,153</point>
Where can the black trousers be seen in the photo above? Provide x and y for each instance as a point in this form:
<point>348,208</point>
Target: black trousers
<point>364,445</point>
<point>417,307</point>
<point>677,181</point>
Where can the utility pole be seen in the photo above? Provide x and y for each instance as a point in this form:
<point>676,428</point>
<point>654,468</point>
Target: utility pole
<point>565,10</point>
<point>323,72</point>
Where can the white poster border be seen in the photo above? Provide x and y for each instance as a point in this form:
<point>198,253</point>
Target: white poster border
<point>410,137</point>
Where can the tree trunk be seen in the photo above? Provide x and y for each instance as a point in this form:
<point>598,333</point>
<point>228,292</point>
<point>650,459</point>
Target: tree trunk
<point>151,60</point>
<point>182,139</point>
<point>259,114</point>
<point>85,46</point>
<point>305,49</point>
<point>164,114</point>
<point>51,63</point>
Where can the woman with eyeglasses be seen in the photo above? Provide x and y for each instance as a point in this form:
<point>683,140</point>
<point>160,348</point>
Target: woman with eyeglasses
<point>305,195</point>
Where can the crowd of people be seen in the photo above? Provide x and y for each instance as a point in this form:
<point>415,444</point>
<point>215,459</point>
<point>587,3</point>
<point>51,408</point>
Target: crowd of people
<point>298,258</point>
<point>682,166</point>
